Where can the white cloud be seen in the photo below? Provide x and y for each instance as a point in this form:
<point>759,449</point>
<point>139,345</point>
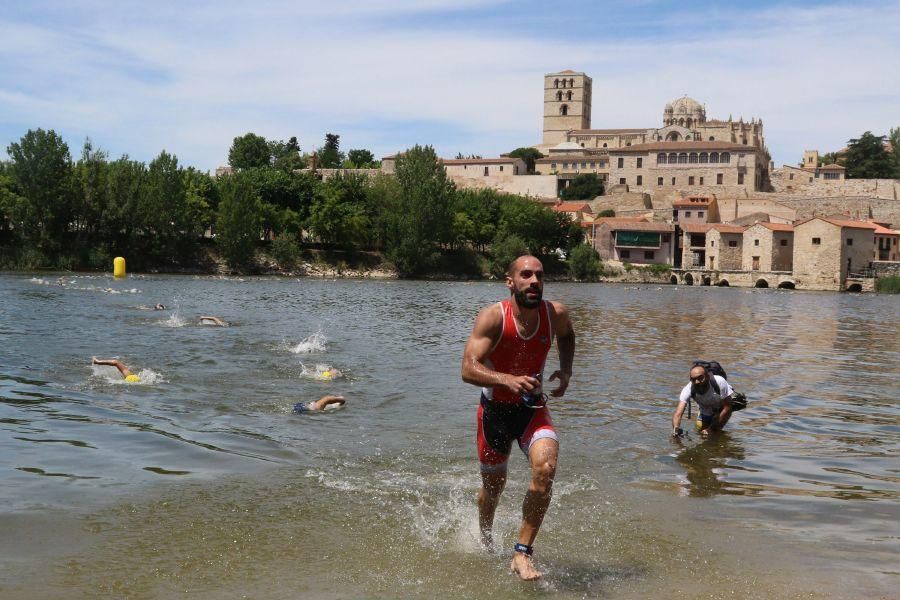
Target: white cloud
<point>191,78</point>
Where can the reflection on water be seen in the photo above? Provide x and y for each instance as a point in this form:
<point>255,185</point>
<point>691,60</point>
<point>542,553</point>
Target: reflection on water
<point>704,464</point>
<point>211,451</point>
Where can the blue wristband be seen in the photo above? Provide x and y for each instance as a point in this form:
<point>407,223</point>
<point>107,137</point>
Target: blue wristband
<point>524,549</point>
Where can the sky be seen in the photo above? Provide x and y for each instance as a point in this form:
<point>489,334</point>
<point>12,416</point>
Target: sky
<point>462,75</point>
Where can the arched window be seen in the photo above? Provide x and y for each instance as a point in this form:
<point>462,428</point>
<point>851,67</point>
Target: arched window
<point>688,122</point>
<point>559,96</point>
<point>564,109</point>
<point>704,157</point>
<point>661,158</point>
<point>604,144</point>
<point>571,83</point>
<point>673,158</point>
<point>725,157</point>
<point>681,121</point>
<point>692,158</point>
<point>712,139</point>
<point>569,96</point>
<point>714,157</point>
<point>682,158</point>
<point>556,83</point>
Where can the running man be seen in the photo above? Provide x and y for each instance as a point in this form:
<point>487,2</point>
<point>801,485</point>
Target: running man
<point>113,362</point>
<point>505,355</point>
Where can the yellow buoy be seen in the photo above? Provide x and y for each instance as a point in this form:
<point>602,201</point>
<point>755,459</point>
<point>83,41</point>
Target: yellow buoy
<point>118,267</point>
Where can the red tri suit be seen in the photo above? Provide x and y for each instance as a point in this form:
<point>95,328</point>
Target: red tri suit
<point>502,416</point>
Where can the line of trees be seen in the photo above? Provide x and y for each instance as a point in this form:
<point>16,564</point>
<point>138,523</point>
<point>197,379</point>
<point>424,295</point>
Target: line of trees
<point>56,211</point>
<point>870,156</point>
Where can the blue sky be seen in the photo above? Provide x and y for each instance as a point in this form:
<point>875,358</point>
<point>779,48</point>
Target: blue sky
<point>464,76</point>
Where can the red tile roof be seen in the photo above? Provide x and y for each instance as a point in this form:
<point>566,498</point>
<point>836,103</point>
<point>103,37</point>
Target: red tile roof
<point>881,230</point>
<point>723,228</point>
<point>838,222</point>
<point>618,220</point>
<point>694,201</point>
<point>832,167</point>
<point>777,226</point>
<point>697,227</point>
<point>478,161</point>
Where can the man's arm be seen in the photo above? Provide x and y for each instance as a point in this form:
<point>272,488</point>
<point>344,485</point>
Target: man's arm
<point>676,416</point>
<point>487,329</point>
<point>565,344</point>
<point>723,415</point>
<point>112,362</point>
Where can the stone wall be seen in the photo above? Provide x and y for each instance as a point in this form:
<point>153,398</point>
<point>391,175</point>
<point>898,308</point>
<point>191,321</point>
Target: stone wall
<point>690,178</point>
<point>719,254</point>
<point>536,186</point>
<point>888,189</point>
<point>818,266</point>
<point>885,268</point>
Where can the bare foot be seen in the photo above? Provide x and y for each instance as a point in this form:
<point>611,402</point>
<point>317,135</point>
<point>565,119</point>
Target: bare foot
<point>521,566</point>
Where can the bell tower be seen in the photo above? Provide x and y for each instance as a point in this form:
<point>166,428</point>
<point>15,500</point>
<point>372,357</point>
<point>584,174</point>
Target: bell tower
<point>567,104</point>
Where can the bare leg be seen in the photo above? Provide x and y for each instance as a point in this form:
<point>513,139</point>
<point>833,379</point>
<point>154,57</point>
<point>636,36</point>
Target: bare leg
<point>492,485</point>
<point>542,455</point>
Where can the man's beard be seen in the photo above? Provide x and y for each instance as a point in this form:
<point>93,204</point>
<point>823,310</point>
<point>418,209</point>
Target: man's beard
<point>523,301</point>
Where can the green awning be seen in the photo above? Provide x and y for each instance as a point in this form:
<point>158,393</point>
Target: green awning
<point>644,239</point>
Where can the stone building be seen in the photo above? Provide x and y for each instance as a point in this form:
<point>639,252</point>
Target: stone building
<point>567,105</point>
<point>724,246</point>
<point>695,209</point>
<point>693,245</point>
<point>665,167</point>
<point>887,244</point>
<point>768,247</point>
<point>828,250</point>
<point>633,240</point>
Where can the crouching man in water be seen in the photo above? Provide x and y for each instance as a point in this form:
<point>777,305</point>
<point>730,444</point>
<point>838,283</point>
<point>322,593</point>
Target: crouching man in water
<point>505,355</point>
<point>714,401</point>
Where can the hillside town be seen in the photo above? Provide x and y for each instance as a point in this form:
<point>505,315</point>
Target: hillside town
<point>700,195</point>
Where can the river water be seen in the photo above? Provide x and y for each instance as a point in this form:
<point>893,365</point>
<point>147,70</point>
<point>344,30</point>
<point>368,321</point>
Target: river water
<point>199,480</point>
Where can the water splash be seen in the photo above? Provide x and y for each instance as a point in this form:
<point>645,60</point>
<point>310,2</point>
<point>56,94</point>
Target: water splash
<point>112,376</point>
<point>320,372</point>
<point>314,343</point>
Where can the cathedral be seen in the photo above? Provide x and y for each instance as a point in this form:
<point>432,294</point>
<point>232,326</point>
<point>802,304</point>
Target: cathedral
<point>688,150</point>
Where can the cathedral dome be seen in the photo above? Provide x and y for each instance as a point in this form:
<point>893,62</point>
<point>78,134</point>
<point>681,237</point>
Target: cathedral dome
<point>687,106</point>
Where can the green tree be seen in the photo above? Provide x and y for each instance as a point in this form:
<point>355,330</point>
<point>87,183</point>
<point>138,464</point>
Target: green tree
<point>606,213</point>
<point>867,158</point>
<point>162,208</point>
<point>586,186</point>
<point>584,263</point>
<point>330,155</point>
<point>201,200</point>
<point>382,202</point>
<point>249,151</point>
<point>90,194</point>
<point>506,250</point>
<point>894,139</point>
<point>41,169</point>
<point>529,155</point>
<point>422,217</point>
<point>237,220</point>
<point>339,214</point>
<point>360,159</point>
<point>286,155</point>
<point>475,216</point>
<point>120,222</point>
<point>543,229</point>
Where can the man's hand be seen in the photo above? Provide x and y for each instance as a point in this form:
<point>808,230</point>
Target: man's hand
<point>563,383</point>
<point>522,384</point>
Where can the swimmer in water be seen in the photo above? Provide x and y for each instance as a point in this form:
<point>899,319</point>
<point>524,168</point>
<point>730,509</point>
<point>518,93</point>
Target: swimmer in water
<point>320,404</point>
<point>213,321</point>
<point>159,306</point>
<point>112,362</point>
